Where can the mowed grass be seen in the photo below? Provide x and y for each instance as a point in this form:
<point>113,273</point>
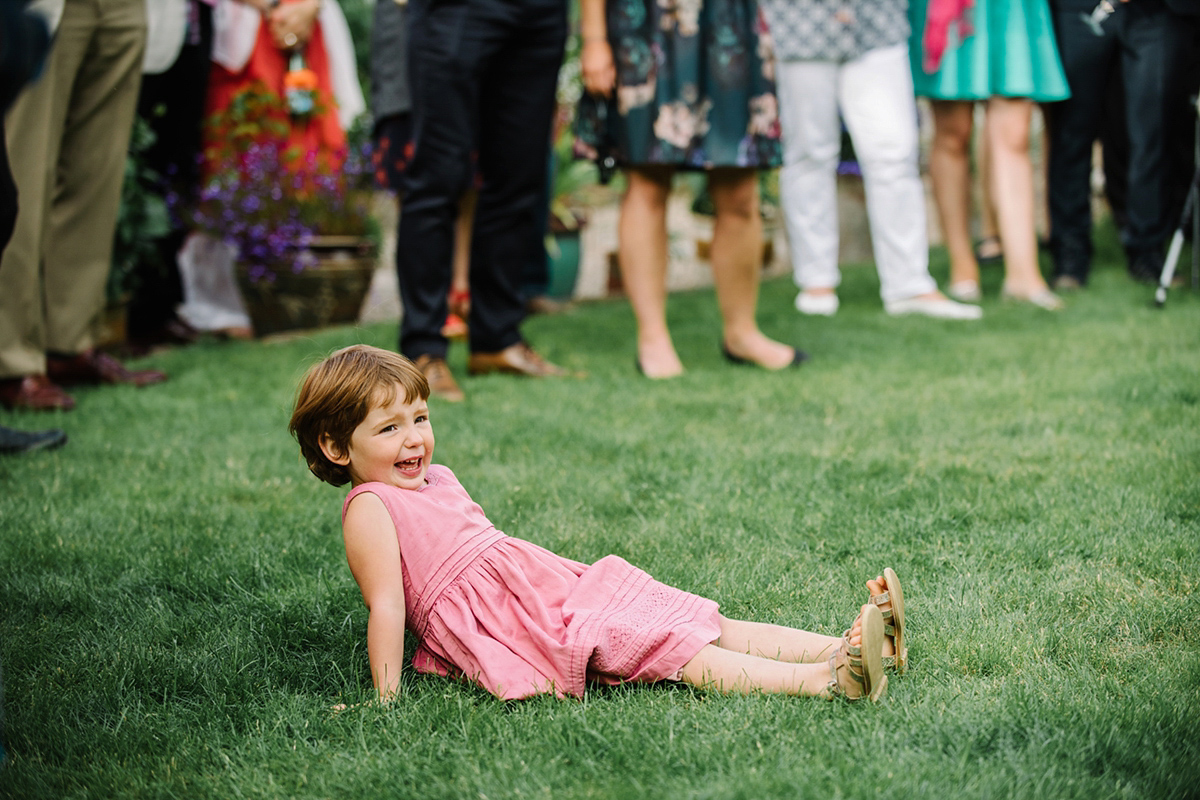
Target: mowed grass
<point>176,615</point>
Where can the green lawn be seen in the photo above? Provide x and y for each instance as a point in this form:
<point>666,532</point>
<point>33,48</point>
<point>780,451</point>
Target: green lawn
<point>176,616</point>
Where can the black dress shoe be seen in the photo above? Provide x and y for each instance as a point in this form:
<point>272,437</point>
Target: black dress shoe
<point>1145,266</point>
<point>14,441</point>
<point>799,358</point>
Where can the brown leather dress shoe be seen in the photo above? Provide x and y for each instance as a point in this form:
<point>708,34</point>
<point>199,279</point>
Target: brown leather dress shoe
<point>34,393</point>
<point>93,366</point>
<point>441,380</point>
<point>517,359</point>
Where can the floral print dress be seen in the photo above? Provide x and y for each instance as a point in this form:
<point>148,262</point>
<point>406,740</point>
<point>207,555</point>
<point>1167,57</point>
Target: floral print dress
<point>695,87</point>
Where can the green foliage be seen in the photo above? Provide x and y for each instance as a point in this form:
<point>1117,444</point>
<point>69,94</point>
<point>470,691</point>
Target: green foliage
<point>142,219</point>
<point>178,616</point>
<point>359,16</point>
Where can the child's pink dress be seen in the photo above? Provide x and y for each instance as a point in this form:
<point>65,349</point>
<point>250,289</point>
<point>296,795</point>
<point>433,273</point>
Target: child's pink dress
<point>521,620</point>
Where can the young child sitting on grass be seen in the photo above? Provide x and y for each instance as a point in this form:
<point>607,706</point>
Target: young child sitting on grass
<point>512,616</point>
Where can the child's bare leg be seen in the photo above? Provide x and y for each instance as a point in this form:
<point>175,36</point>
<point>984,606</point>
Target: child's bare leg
<point>725,670</point>
<point>776,642</point>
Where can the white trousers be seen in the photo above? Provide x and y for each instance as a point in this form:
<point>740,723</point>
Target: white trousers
<point>875,95</point>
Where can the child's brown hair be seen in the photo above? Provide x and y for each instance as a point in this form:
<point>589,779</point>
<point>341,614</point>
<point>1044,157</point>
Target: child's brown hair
<point>338,393</point>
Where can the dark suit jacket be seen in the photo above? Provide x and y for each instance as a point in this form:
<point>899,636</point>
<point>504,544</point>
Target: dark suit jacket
<point>1086,6</point>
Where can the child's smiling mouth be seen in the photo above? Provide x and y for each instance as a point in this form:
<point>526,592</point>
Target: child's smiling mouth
<point>411,464</point>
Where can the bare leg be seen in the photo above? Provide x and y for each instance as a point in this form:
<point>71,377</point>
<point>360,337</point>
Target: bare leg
<point>950,169</point>
<point>736,261</point>
<point>1012,182</point>
<point>776,642</point>
<point>459,299</point>
<point>989,231</point>
<point>642,252</point>
<point>728,670</point>
<point>462,245</point>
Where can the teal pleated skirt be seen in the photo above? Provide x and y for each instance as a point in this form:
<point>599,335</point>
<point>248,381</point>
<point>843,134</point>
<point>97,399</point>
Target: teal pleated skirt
<point>1011,52</point>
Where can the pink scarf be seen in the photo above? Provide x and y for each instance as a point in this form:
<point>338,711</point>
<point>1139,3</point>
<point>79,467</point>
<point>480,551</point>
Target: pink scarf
<point>940,15</point>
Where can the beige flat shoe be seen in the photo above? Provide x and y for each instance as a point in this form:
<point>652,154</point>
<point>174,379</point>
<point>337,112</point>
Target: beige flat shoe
<point>1042,298</point>
<point>965,291</point>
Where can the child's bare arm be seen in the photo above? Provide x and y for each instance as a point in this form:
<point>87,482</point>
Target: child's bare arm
<point>374,557</point>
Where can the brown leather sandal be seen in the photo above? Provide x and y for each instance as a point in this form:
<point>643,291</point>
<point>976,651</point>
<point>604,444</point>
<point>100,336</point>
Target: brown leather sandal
<point>893,619</point>
<point>857,672</point>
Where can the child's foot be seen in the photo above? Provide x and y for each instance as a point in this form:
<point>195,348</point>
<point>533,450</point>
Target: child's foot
<point>887,594</point>
<point>856,667</point>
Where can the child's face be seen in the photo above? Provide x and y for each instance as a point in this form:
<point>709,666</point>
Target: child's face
<point>392,445</point>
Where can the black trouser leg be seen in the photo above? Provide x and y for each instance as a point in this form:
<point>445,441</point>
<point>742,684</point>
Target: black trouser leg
<point>1114,145</point>
<point>172,103</point>
<point>516,113</point>
<point>1149,56</point>
<point>445,46</point>
<point>1074,125</point>
<point>483,74</point>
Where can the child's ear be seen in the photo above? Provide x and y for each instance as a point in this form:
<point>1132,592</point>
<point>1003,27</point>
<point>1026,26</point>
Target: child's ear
<point>332,452</point>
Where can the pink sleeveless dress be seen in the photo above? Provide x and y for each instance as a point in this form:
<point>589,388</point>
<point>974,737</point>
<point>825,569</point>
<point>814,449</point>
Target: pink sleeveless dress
<point>520,620</point>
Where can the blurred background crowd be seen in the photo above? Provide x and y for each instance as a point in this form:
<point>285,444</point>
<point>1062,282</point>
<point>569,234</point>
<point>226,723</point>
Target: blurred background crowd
<point>179,158</point>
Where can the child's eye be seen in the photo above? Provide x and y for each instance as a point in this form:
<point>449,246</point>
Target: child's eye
<point>387,428</point>
<point>423,418</point>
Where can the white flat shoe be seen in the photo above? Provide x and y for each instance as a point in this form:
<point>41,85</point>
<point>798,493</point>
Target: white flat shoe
<point>820,305</point>
<point>939,308</point>
<point>966,291</point>
<point>1042,298</point>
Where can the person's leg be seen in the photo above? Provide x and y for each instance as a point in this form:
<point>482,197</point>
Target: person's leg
<point>732,670</point>
<point>1012,182</point>
<point>33,129</point>
<point>729,671</point>
<point>444,47</point>
<point>989,230</point>
<point>172,104</point>
<point>950,171</point>
<point>876,97</point>
<point>737,264</point>
<point>459,299</point>
<point>516,108</point>
<point>808,113</point>
<point>777,642</point>
<point>642,255</point>
<point>77,249</point>
<point>1149,69</point>
<point>1074,124</point>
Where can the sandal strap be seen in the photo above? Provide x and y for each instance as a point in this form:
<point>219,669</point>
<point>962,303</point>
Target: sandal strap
<point>853,655</point>
<point>879,600</point>
<point>835,687</point>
